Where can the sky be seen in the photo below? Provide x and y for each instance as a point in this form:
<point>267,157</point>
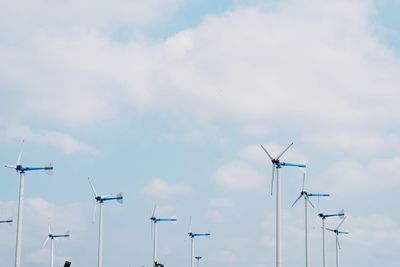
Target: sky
<point>168,101</point>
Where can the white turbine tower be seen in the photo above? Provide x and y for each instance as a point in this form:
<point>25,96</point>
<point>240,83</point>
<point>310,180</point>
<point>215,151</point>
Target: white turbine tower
<point>155,220</point>
<point>21,171</point>
<point>276,164</point>
<point>337,233</point>
<point>52,237</point>
<point>306,196</point>
<point>101,199</point>
<point>323,217</point>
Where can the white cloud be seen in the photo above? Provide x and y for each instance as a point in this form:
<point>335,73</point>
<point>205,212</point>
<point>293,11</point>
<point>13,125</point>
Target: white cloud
<point>161,189</point>
<point>220,202</point>
<point>228,256</point>
<point>373,231</point>
<point>348,176</point>
<point>62,141</point>
<point>238,175</point>
<point>71,217</point>
<point>300,61</point>
<point>87,14</point>
<point>215,216</point>
<point>354,142</point>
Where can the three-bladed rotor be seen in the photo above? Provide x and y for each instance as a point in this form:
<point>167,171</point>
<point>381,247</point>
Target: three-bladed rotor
<point>277,164</point>
<point>337,232</point>
<point>306,195</point>
<point>19,168</point>
<point>51,236</point>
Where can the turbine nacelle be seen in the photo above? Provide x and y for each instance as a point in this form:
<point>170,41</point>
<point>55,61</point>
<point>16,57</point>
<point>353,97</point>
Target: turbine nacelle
<point>102,198</point>
<point>323,216</point>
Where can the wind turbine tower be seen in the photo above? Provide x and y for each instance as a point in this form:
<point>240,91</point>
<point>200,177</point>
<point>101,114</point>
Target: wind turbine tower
<point>277,165</point>
<point>306,196</point>
<point>20,169</point>
<point>101,199</point>
<point>337,233</point>
<point>51,237</point>
<point>155,220</point>
<point>323,217</point>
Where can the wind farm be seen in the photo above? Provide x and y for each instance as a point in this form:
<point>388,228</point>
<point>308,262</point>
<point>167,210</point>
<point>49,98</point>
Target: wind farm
<point>101,199</point>
<point>260,120</point>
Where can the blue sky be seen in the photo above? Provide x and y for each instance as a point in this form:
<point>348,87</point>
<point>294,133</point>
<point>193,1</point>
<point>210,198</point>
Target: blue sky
<point>168,101</point>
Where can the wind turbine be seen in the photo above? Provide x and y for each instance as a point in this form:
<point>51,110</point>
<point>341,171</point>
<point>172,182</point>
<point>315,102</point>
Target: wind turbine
<point>198,258</point>
<point>20,169</point>
<point>306,196</point>
<point>340,214</point>
<point>277,164</point>
<point>337,233</point>
<point>101,199</point>
<point>192,237</point>
<point>51,237</point>
<point>155,220</point>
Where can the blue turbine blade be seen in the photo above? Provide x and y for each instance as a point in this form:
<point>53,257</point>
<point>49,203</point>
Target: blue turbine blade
<point>292,164</point>
<point>318,195</point>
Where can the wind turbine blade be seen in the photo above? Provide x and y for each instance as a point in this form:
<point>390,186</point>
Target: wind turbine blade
<point>49,229</point>
<point>329,229</point>
<point>67,234</point>
<point>337,240</point>
<point>340,224</point>
<point>151,230</point>
<point>309,201</point>
<point>93,189</point>
<point>272,180</point>
<point>20,152</point>
<point>11,166</point>
<point>294,203</point>
<point>283,152</point>
<point>45,242</point>
<point>304,178</point>
<point>270,157</point>
<point>154,211</point>
<point>94,212</point>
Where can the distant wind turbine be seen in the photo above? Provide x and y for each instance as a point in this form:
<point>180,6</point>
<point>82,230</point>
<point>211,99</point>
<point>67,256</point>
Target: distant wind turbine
<point>198,258</point>
<point>192,237</point>
<point>51,237</point>
<point>337,233</point>
<point>155,220</point>
<point>323,217</point>
<point>20,169</point>
<point>306,196</point>
<point>277,164</point>
<point>101,199</point>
